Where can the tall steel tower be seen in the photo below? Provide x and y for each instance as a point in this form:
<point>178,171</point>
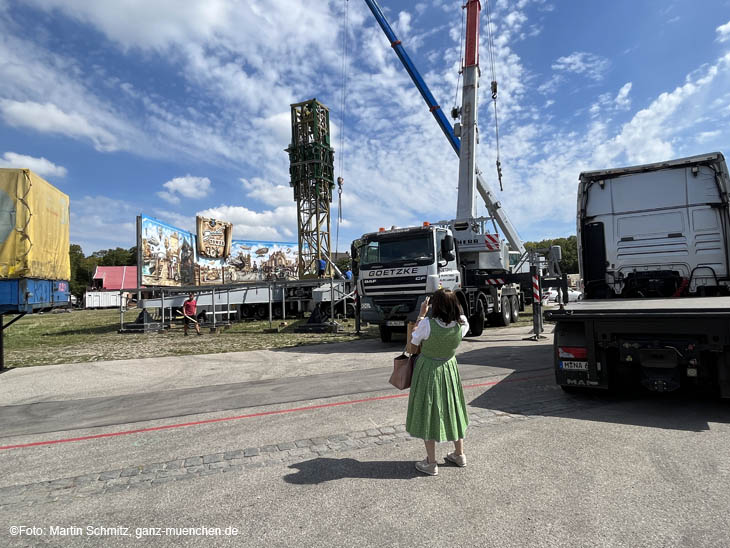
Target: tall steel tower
<point>311,167</point>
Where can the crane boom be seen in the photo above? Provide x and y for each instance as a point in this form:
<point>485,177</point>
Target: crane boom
<point>493,205</point>
<point>466,201</point>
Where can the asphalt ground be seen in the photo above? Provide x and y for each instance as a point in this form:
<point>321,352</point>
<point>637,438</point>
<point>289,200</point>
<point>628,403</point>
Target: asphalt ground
<point>314,453</point>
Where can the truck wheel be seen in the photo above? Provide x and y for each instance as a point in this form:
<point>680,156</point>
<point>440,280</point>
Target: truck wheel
<point>503,316</point>
<point>476,322</point>
<point>262,312</point>
<point>385,334</point>
<point>514,305</point>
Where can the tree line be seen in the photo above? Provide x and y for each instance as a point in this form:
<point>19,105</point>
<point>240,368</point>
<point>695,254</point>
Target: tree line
<point>569,247</point>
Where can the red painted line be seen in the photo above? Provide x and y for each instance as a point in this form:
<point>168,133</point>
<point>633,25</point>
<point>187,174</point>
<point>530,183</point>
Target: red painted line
<point>239,417</point>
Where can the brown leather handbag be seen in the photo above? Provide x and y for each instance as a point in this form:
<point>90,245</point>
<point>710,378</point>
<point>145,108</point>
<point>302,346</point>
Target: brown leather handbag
<point>403,371</point>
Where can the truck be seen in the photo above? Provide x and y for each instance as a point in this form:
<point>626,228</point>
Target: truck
<point>399,267</point>
<point>654,256</point>
<point>34,247</point>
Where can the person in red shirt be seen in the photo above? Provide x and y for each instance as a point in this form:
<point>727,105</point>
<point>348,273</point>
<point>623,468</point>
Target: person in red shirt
<point>189,308</point>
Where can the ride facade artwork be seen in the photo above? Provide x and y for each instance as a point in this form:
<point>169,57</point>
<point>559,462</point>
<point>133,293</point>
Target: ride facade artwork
<point>169,257</point>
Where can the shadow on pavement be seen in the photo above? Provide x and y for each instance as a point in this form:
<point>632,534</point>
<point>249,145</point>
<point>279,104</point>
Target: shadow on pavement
<point>359,346</point>
<point>682,410</point>
<point>320,470</point>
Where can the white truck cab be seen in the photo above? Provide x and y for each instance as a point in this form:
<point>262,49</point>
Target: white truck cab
<point>399,268</point>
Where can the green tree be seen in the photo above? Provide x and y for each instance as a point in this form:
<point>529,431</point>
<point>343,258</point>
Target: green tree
<point>343,263</point>
<point>569,249</point>
<point>83,268</point>
<point>114,257</point>
<point>76,256</point>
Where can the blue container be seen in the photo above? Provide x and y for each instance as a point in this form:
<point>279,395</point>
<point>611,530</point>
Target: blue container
<point>32,295</point>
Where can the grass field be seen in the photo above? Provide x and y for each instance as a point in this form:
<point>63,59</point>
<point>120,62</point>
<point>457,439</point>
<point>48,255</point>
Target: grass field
<point>92,335</point>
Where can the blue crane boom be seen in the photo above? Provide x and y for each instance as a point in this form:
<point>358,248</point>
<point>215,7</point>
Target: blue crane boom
<point>493,205</point>
<point>400,51</point>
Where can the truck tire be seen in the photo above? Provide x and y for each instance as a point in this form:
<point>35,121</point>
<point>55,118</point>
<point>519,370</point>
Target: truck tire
<point>476,321</point>
<point>514,305</point>
<point>502,318</point>
<point>261,312</point>
<point>385,334</point>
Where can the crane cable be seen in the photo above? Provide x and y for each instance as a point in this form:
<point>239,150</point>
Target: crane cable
<point>490,44</point>
<point>340,178</point>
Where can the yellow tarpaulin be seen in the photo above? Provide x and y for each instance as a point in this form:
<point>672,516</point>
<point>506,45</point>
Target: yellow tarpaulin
<point>34,232</point>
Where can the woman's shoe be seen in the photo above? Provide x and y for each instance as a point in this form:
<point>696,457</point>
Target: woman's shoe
<point>458,460</point>
<point>428,468</point>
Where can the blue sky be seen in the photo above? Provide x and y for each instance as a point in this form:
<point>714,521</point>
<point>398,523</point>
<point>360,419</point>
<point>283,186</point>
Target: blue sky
<point>171,108</point>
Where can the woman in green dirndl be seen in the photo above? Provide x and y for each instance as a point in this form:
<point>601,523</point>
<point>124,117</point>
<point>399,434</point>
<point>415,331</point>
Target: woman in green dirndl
<point>436,407</point>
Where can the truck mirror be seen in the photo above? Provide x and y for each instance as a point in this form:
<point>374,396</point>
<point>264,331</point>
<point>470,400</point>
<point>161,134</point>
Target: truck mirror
<point>557,252</point>
<point>447,248</point>
<point>447,244</point>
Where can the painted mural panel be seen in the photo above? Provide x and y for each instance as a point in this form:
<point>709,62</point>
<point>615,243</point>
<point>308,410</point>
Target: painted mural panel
<point>209,271</point>
<point>214,238</point>
<point>168,254</point>
<point>252,260</point>
<point>169,258</point>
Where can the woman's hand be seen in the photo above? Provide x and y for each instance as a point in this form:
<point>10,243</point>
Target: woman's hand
<point>424,308</point>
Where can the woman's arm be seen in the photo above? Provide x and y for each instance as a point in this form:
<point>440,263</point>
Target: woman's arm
<point>421,332</point>
<point>464,325</point>
<point>423,329</point>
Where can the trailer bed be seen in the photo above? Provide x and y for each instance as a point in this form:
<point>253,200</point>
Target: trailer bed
<point>687,306</point>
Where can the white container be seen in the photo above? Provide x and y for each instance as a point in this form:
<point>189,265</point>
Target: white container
<point>101,299</point>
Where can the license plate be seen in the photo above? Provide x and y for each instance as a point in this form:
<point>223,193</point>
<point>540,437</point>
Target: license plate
<point>394,323</point>
<point>574,366</point>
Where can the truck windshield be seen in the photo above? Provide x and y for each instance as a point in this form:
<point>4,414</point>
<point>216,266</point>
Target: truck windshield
<point>404,249</point>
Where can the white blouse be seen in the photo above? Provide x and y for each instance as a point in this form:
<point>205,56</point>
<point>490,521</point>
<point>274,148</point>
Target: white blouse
<point>423,329</point>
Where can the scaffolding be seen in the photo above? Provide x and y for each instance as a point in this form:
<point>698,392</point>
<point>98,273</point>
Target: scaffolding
<point>311,160</point>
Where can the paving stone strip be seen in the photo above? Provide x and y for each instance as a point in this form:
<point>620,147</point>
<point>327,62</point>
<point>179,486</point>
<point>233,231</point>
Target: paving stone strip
<point>145,476</point>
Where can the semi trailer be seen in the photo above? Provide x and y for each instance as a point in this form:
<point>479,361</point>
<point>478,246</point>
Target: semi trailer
<point>654,255</point>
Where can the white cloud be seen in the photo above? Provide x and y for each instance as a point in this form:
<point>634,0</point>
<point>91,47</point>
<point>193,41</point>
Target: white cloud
<point>154,25</point>
<point>647,137</point>
<point>707,136</point>
<point>188,187</point>
<point>268,193</point>
<point>100,222</point>
<point>48,118</point>
<point>589,64</point>
<point>41,166</point>
<point>622,99</point>
<point>278,224</point>
<point>541,162</point>
<point>723,32</point>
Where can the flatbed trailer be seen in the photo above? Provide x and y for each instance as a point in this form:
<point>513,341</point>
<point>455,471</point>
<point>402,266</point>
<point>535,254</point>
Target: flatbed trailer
<point>662,343</point>
<point>220,305</point>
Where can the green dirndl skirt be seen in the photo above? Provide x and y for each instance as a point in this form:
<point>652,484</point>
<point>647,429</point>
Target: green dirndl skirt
<point>436,407</point>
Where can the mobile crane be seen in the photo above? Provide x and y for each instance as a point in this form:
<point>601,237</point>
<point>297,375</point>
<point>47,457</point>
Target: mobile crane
<point>399,267</point>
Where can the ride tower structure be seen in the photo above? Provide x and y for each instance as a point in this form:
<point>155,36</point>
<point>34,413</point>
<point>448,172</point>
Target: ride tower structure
<point>311,168</point>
